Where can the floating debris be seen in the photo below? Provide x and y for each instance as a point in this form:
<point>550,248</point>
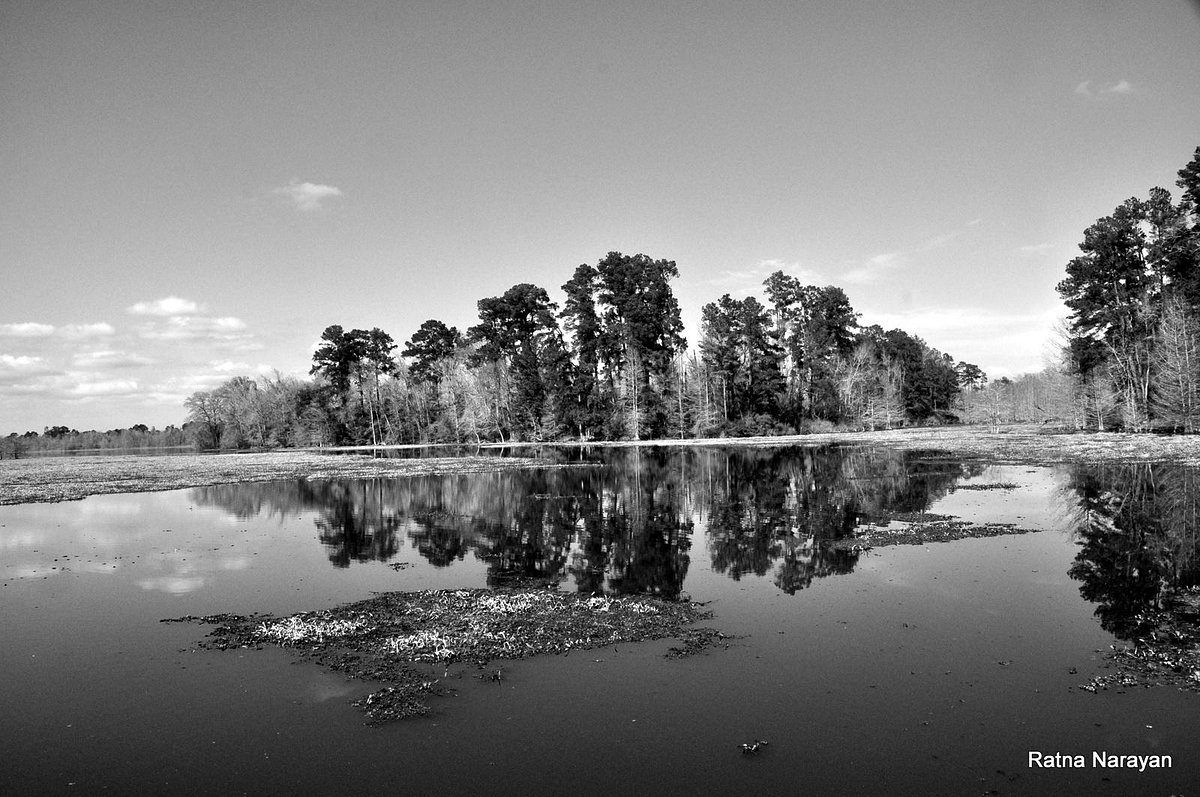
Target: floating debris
<point>752,748</point>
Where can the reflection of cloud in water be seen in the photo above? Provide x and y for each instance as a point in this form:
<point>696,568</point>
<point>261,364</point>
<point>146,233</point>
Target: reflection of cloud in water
<point>32,571</point>
<point>235,563</point>
<point>93,567</point>
<point>24,539</point>
<point>110,507</point>
<point>176,585</point>
<point>321,692</point>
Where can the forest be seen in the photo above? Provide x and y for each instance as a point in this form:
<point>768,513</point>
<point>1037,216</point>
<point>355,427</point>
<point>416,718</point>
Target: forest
<point>612,363</point>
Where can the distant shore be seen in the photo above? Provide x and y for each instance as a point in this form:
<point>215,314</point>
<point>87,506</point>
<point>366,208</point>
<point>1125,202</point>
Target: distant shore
<point>1031,444</point>
<point>50,479</point>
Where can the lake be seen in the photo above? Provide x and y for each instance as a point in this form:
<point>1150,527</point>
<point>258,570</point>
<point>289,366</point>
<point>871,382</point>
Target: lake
<point>912,669</point>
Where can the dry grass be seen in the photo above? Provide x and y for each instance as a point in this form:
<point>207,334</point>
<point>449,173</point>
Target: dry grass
<point>72,478</point>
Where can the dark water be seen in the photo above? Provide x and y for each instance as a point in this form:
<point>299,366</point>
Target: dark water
<point>905,670</point>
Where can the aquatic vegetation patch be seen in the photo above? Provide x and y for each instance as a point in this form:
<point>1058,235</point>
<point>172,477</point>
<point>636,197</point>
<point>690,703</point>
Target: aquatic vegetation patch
<point>920,533</point>
<point>989,486</point>
<point>1165,650</point>
<point>395,637</point>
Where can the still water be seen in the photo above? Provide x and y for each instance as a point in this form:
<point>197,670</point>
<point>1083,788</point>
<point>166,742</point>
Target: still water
<point>900,670</point>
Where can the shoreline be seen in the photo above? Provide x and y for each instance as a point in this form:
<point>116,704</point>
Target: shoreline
<point>54,479</point>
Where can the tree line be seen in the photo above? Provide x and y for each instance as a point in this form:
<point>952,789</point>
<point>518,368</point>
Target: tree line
<point>610,364</point>
<point>1133,344</point>
<point>64,440</point>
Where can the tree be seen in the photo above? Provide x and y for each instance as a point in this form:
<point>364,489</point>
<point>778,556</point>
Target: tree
<point>207,415</point>
<point>580,319</point>
<point>814,327</point>
<point>518,330</point>
<point>642,330</point>
<point>1113,297</point>
<point>429,345</point>
<point>338,356</point>
<point>739,351</point>
<point>1176,394</point>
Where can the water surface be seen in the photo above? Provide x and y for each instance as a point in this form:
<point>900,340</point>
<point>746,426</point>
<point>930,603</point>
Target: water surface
<point>904,670</point>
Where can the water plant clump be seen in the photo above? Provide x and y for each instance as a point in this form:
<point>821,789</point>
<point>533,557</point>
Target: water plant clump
<point>1165,649</point>
<point>394,637</point>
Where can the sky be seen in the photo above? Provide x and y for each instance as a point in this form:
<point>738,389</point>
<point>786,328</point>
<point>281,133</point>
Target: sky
<point>195,191</point>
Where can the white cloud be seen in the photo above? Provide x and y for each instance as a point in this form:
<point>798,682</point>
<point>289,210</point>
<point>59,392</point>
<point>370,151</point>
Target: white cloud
<point>307,196</point>
<point>1002,344</point>
<point>229,366</point>
<point>1035,249</point>
<point>109,359</point>
<point>938,241</point>
<point>19,362</point>
<point>1120,87</point>
<point>111,387</point>
<point>28,329</point>
<point>169,306</point>
<point>874,269</point>
<point>745,281</point>
<point>82,331</point>
<point>226,328</point>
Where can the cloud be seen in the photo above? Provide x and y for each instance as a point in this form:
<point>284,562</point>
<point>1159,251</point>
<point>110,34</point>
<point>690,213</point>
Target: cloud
<point>1122,86</point>
<point>226,328</point>
<point>306,196</point>
<point>874,269</point>
<point>1000,343</point>
<point>745,281</point>
<point>19,362</point>
<point>938,241</point>
<point>109,359</point>
<point>28,329</point>
<point>111,387</point>
<point>171,305</point>
<point>1035,249</point>
<point>229,367</point>
<point>83,331</point>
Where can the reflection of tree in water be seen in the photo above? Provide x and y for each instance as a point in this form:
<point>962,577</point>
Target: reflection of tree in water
<point>622,528</point>
<point>773,508</point>
<point>1137,530</point>
<point>355,520</point>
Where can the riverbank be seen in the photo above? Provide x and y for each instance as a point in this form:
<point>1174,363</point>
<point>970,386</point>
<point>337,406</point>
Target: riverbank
<point>52,480</point>
<point>67,479</point>
<point>1029,444</point>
